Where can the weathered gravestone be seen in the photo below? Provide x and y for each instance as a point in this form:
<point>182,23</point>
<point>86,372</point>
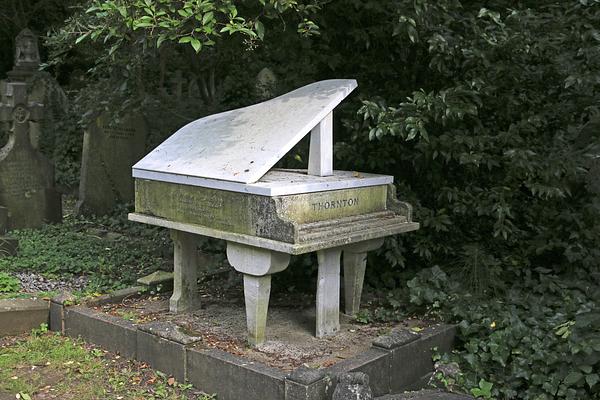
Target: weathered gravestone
<point>42,87</point>
<point>27,56</point>
<point>26,176</point>
<point>8,245</point>
<point>109,152</point>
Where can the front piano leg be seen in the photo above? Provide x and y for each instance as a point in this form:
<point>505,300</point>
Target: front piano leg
<point>355,263</point>
<point>328,292</point>
<point>185,280</point>
<point>257,265</point>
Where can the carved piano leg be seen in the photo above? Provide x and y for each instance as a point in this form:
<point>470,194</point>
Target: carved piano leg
<point>185,285</point>
<point>355,263</point>
<point>328,292</point>
<point>257,290</point>
<point>257,265</point>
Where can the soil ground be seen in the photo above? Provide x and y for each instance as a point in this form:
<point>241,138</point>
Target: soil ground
<point>221,322</point>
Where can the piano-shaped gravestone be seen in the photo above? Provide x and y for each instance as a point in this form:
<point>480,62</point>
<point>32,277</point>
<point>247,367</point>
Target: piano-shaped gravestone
<point>215,177</point>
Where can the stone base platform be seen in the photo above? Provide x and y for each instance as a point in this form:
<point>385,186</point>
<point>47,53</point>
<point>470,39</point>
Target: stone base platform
<point>396,361</point>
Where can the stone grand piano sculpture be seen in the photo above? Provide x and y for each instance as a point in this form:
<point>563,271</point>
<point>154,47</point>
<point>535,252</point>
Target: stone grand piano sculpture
<point>215,177</point>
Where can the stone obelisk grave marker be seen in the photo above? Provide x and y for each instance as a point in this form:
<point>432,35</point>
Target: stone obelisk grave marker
<point>26,176</point>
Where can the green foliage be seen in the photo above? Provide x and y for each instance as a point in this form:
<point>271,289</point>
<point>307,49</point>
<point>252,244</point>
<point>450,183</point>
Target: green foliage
<point>78,247</point>
<point>197,23</point>
<point>538,340</point>
<point>488,118</point>
<point>8,283</point>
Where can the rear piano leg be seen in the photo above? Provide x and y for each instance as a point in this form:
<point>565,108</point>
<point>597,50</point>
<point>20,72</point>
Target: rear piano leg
<point>257,265</point>
<point>355,263</point>
<point>185,284</point>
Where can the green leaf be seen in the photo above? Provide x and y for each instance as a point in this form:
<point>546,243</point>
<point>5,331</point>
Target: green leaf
<point>82,38</point>
<point>208,17</point>
<point>196,44</point>
<point>572,378</point>
<point>592,379</point>
<point>260,29</point>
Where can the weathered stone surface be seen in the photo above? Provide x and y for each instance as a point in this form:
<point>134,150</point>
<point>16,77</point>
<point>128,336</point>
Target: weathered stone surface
<point>162,354</point>
<point>266,83</point>
<point>118,295</point>
<point>268,217</point>
<point>112,333</point>
<point>242,145</point>
<point>185,283</point>
<point>56,317</point>
<point>426,395</point>
<point>306,376</point>
<point>156,278</point>
<point>373,362</point>
<point>58,306</point>
<point>26,176</point>
<point>3,220</point>
<point>232,378</point>
<point>22,315</point>
<point>353,385</point>
<point>412,362</point>
<point>109,152</point>
<point>27,56</point>
<point>169,331</point>
<point>398,337</point>
<point>355,265</point>
<point>314,391</point>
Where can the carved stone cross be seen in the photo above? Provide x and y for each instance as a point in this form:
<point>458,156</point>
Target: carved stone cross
<point>19,112</point>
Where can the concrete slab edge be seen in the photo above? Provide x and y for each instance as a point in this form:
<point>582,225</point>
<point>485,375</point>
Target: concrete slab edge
<point>19,316</point>
<point>188,361</point>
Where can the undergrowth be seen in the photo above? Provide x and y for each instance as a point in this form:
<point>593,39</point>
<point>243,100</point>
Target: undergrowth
<point>537,337</point>
<point>112,252</point>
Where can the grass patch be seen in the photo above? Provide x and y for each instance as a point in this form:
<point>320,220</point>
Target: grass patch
<point>45,364</point>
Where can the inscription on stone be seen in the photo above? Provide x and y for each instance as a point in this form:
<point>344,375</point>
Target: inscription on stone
<point>122,132</point>
<point>326,205</point>
<point>204,207</point>
<point>20,178</point>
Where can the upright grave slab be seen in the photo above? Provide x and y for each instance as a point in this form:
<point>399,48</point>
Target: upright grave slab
<point>26,176</point>
<point>215,177</point>
<point>8,245</point>
<point>109,151</point>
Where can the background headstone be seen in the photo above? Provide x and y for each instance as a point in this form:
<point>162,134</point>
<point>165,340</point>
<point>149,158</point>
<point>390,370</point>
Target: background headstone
<point>8,245</point>
<point>266,83</point>
<point>27,56</point>
<point>26,176</point>
<point>109,152</point>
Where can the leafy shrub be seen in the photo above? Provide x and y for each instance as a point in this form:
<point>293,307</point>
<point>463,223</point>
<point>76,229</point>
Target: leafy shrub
<point>539,340</point>
<point>8,283</point>
<point>489,122</point>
